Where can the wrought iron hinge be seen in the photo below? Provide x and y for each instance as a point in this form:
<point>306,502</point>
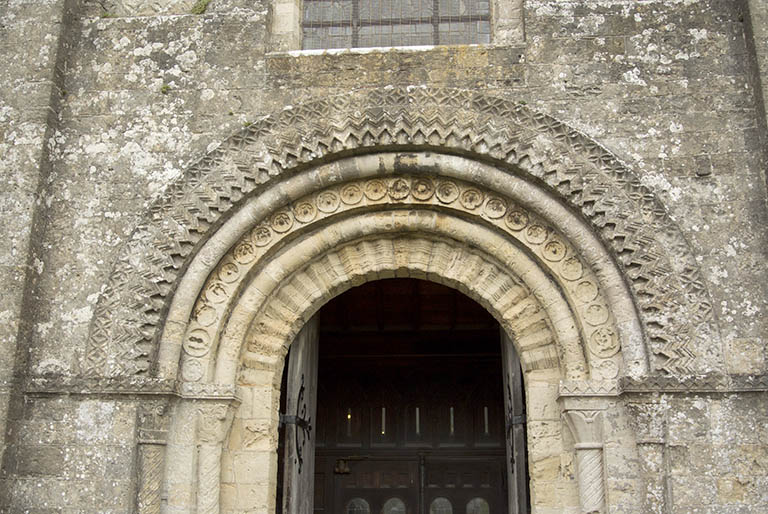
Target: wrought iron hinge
<point>303,432</point>
<point>516,420</point>
<point>295,420</point>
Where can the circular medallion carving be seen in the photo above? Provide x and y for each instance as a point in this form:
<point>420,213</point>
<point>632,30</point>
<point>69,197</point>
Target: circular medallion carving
<point>245,252</point>
<point>495,208</point>
<point>554,251</point>
<point>375,190</point>
<point>536,234</point>
<point>197,343</point>
<point>192,370</point>
<point>517,219</point>
<point>282,222</point>
<point>228,273</point>
<point>205,315</point>
<point>423,189</point>
<point>351,194</point>
<point>327,201</point>
<point>586,291</point>
<point>603,342</point>
<point>447,192</point>
<point>606,369</point>
<point>305,212</point>
<point>471,198</point>
<point>596,314</point>
<point>216,292</point>
<point>399,189</point>
<point>571,269</point>
<point>261,235</point>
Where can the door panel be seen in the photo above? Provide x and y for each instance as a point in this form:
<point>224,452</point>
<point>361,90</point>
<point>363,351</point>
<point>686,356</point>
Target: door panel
<point>390,483</point>
<point>460,480</point>
<point>412,402</point>
<point>514,427</point>
<point>425,432</point>
<point>299,421</point>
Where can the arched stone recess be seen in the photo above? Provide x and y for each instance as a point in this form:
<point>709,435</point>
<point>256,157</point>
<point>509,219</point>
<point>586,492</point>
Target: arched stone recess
<point>533,265</point>
<point>573,287</point>
<point>579,177</point>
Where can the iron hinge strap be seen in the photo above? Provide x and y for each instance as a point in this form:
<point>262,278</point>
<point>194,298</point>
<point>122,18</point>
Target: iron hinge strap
<point>294,420</point>
<point>516,420</point>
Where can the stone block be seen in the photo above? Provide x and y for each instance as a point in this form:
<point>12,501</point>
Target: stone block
<point>745,356</point>
<point>731,490</point>
<point>688,421</point>
<point>693,491</point>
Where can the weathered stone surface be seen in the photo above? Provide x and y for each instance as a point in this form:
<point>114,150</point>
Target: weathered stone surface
<point>135,133</point>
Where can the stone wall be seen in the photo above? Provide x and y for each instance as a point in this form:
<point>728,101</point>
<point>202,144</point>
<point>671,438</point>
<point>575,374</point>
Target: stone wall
<point>106,104</point>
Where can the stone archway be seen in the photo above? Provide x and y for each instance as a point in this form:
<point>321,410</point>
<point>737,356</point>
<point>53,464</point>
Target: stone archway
<point>577,261</point>
<point>567,312</point>
<point>627,219</point>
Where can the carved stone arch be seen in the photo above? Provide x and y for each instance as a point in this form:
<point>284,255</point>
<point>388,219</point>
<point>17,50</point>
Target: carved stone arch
<point>338,252</point>
<point>445,218</point>
<point>630,222</point>
<point>514,214</point>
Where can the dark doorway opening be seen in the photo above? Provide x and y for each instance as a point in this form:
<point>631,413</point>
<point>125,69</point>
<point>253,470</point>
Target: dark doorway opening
<point>412,404</point>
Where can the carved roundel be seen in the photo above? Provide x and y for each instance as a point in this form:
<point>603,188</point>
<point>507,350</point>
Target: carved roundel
<point>305,211</point>
<point>375,190</point>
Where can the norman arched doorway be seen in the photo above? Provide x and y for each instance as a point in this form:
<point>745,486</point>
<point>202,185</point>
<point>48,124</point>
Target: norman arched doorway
<point>560,242</point>
<point>538,271</point>
<point>417,407</point>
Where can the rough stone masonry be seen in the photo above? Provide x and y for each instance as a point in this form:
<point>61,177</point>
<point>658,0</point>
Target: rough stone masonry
<point>183,187</point>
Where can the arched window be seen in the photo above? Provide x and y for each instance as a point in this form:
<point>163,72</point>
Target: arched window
<point>440,506</point>
<point>358,506</point>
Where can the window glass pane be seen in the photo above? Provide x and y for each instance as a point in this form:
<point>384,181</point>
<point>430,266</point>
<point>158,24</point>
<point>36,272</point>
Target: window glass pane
<point>440,506</point>
<point>367,23</point>
<point>358,506</point>
<point>325,11</point>
<point>477,506</point>
<point>394,506</point>
<point>327,37</point>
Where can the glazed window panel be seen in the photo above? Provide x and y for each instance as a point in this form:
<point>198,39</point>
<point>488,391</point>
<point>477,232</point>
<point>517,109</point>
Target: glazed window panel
<point>478,506</point>
<point>358,506</point>
<point>391,23</point>
<point>440,506</point>
<point>394,506</point>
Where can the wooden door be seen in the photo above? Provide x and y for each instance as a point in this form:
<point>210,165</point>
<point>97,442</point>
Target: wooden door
<point>411,435</point>
<point>299,421</point>
<point>515,427</point>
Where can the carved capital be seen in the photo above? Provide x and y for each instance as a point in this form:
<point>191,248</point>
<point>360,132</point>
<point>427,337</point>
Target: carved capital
<point>214,421</point>
<point>153,420</point>
<point>586,427</point>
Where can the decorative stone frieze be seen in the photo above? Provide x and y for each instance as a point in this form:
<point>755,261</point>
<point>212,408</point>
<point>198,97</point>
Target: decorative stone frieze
<point>518,223</point>
<point>663,276</point>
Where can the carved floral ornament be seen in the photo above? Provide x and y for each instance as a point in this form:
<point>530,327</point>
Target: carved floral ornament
<point>250,258</point>
<point>571,170</point>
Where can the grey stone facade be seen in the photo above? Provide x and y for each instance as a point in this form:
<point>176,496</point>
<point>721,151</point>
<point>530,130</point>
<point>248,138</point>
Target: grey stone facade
<point>146,151</point>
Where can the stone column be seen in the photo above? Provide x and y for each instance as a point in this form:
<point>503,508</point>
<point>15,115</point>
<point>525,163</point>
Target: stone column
<point>152,440</point>
<point>583,405</point>
<point>214,422</point>
<point>586,427</point>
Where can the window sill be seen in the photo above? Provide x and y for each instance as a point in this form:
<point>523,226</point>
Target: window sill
<point>373,50</point>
